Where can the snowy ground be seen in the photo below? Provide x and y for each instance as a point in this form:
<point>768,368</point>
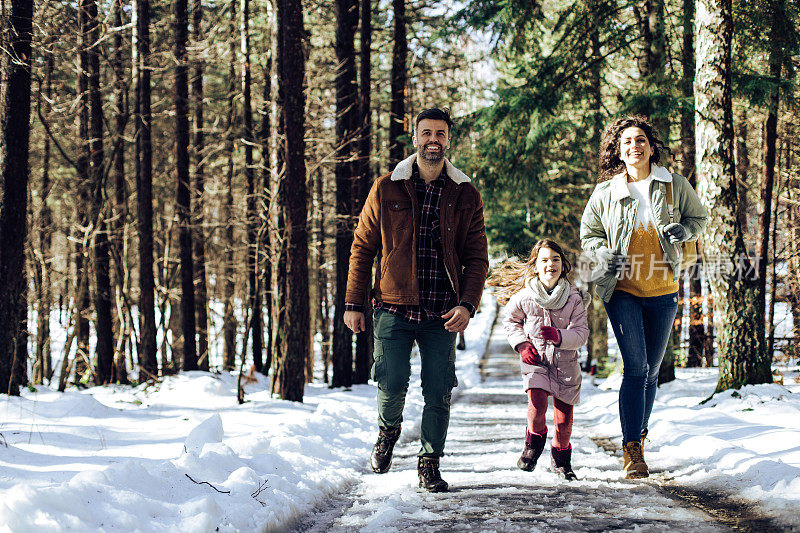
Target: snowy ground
<point>184,456</point>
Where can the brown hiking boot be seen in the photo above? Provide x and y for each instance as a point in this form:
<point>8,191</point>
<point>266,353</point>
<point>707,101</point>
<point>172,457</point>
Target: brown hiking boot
<point>381,458</point>
<point>429,477</point>
<point>534,444</point>
<point>633,461</point>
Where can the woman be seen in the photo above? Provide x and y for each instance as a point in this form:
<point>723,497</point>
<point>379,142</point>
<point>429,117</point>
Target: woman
<point>636,239</point>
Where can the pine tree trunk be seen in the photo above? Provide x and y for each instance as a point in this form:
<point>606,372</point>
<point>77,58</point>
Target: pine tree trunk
<point>148,362</point>
<point>120,371</point>
<point>254,290</point>
<point>290,379</point>
<point>45,296</point>
<point>768,169</point>
<point>597,347</point>
<point>696,328</point>
<point>397,105</point>
<point>94,140</point>
<point>323,319</point>
<point>83,213</point>
<point>649,16</point>
<point>345,170</point>
<point>198,147</point>
<point>265,240</point>
<point>183,202</point>
<point>229,324</point>
<point>15,110</point>
<point>364,340</point>
<point>741,337</point>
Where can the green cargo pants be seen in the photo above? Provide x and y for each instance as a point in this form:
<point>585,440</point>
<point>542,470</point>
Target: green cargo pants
<point>394,338</point>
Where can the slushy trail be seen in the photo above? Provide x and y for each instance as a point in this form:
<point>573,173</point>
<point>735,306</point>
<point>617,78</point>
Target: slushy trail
<point>489,493</point>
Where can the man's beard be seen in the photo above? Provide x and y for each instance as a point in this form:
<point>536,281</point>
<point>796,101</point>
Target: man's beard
<point>431,157</point>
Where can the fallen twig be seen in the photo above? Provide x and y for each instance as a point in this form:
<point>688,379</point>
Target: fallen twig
<point>207,483</point>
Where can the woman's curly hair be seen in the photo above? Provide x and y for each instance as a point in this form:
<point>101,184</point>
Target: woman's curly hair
<point>610,163</point>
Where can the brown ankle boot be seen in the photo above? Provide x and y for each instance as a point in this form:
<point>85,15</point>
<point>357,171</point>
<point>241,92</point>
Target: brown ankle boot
<point>429,477</point>
<point>381,458</point>
<point>633,460</point>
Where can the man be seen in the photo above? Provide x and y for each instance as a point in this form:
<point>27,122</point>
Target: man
<point>424,222</point>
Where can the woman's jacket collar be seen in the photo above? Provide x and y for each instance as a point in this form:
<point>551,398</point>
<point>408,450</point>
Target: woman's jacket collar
<point>619,183</point>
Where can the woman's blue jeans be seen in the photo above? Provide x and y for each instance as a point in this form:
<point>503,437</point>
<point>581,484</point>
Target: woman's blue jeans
<point>641,326</point>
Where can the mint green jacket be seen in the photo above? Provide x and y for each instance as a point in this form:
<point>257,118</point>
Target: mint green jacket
<point>610,216</point>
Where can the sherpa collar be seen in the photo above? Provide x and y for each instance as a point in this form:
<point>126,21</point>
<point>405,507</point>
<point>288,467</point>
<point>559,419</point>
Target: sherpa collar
<point>403,170</point>
<point>619,183</point>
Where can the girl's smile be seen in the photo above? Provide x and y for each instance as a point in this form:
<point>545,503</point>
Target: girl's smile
<point>548,267</point>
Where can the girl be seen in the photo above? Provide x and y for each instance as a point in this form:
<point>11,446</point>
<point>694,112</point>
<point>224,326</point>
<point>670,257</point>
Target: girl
<point>634,225</point>
<point>545,321</point>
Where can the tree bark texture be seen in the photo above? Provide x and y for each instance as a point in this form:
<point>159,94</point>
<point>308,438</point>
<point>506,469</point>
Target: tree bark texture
<point>346,170</point>
<point>148,363</point>
<point>101,246</point>
<point>397,105</point>
<point>741,328</point>
<point>254,289</point>
<point>364,340</point>
<point>15,110</point>
<point>198,147</point>
<point>183,198</point>
<point>696,328</point>
<point>118,248</point>
<point>229,323</point>
<point>265,235</point>
<point>290,376</point>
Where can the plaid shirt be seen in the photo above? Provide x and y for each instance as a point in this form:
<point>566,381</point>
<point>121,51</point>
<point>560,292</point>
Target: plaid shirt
<point>436,295</point>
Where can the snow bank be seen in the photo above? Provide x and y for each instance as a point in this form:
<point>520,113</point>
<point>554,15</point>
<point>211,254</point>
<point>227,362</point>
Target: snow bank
<point>184,456</point>
<point>745,443</point>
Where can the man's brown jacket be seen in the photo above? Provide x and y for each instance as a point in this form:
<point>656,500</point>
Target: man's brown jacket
<point>389,227</point>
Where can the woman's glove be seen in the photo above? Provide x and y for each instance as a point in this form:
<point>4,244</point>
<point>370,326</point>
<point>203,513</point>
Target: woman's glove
<point>610,262</point>
<point>549,333</point>
<point>528,353</point>
<point>675,233</point>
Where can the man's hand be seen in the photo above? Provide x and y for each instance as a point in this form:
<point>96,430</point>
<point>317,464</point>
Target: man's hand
<point>355,321</point>
<point>457,319</point>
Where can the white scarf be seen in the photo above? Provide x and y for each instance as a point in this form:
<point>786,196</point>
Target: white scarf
<point>556,299</point>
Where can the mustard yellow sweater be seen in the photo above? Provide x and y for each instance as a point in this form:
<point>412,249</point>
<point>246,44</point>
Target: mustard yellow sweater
<point>648,273</point>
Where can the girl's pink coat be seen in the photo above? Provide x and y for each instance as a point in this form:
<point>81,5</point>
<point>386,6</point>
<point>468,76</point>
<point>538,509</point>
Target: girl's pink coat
<point>560,373</point>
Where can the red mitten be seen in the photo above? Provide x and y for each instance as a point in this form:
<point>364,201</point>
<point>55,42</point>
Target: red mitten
<point>549,333</point>
<point>529,354</point>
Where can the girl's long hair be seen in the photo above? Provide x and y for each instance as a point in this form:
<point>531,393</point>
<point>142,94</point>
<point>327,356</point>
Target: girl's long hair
<point>511,277</point>
<point>610,163</point>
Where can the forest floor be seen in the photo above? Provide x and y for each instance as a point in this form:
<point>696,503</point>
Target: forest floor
<point>488,492</point>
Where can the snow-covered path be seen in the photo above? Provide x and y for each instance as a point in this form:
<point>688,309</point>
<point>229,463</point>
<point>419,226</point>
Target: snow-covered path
<point>488,492</point>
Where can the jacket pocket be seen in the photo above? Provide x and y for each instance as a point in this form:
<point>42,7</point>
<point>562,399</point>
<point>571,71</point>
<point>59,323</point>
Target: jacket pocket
<point>399,213</point>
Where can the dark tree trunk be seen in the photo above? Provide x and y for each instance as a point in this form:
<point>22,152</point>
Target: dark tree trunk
<point>183,203</point>
<point>364,340</point>
<point>148,362</point>
<point>198,145</point>
<point>15,111</point>
<point>290,378</point>
<point>696,329</point>
<point>265,242</point>
<point>45,296</point>
<point>597,347</point>
<point>346,126</point>
<point>82,259</point>
<point>322,278</point>
<point>777,35</point>
<point>278,251</point>
<point>649,16</point>
<point>254,292</point>
<point>741,342</point>
<point>94,140</point>
<point>229,318</point>
<point>397,106</point>
<point>120,371</point>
